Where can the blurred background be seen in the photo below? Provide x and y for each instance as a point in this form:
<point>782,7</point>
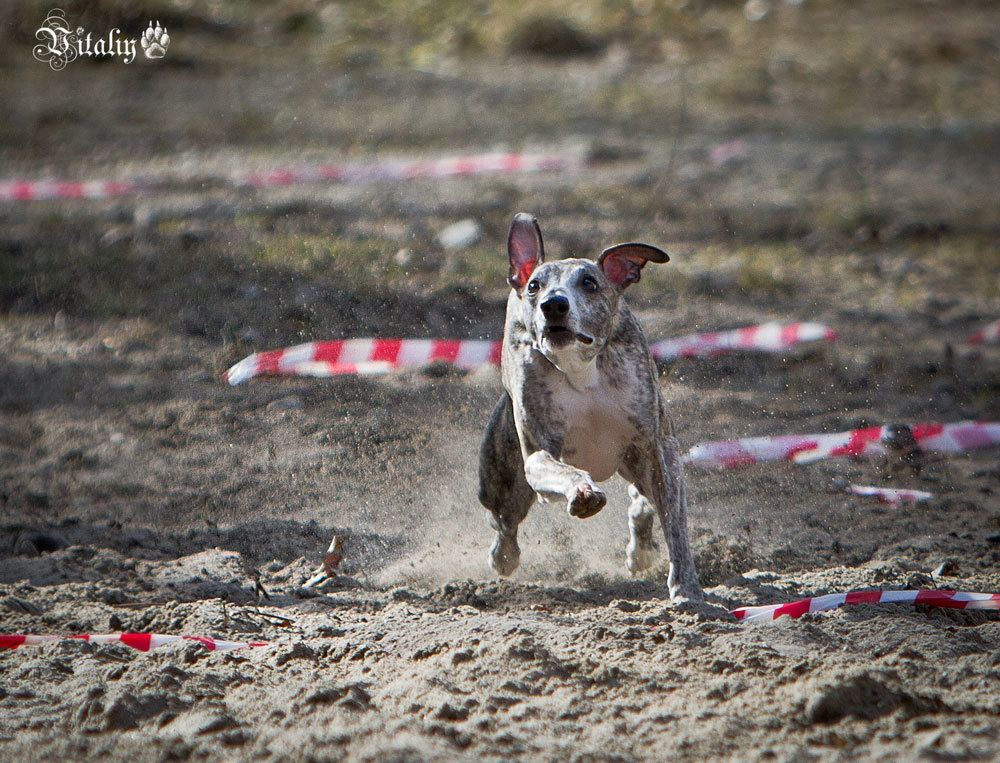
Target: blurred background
<point>801,160</point>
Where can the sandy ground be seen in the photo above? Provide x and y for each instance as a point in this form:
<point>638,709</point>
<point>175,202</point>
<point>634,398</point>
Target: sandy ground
<point>139,493</point>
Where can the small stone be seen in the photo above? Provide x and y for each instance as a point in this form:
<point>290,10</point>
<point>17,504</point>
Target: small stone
<point>460,235</point>
<point>947,568</point>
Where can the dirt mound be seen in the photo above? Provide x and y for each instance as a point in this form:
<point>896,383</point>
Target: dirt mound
<point>865,696</point>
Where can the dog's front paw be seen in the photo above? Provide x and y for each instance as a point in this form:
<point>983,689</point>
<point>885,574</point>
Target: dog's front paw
<point>505,555</point>
<point>586,502</point>
<point>688,593</point>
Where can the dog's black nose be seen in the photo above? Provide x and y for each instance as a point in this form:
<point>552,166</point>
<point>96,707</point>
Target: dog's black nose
<point>555,307</point>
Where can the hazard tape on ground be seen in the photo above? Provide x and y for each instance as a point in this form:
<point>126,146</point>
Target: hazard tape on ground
<point>379,356</point>
<point>890,495</point>
<point>767,337</point>
<point>37,190</point>
<point>141,641</point>
<point>989,334</point>
<point>363,356</point>
<point>335,172</point>
<point>795,609</point>
<point>806,448</point>
<point>413,169</point>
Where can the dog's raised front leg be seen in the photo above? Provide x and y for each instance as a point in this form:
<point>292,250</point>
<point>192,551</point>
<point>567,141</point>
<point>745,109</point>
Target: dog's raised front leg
<point>503,489</point>
<point>551,478</point>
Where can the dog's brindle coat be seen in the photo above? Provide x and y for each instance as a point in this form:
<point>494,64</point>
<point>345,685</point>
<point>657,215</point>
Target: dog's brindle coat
<point>582,402</point>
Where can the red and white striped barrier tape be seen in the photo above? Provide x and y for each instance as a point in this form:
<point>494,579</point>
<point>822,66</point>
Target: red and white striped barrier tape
<point>890,495</point>
<point>338,172</point>
<point>947,599</point>
<point>141,641</point>
<point>411,169</point>
<point>767,337</point>
<point>377,356</point>
<point>363,356</point>
<point>806,448</point>
<point>989,334</point>
<point>36,190</point>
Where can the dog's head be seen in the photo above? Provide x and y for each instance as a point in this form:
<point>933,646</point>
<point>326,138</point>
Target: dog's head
<point>569,306</point>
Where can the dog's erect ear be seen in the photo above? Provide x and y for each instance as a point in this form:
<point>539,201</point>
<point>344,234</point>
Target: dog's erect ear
<point>623,263</point>
<point>524,247</point>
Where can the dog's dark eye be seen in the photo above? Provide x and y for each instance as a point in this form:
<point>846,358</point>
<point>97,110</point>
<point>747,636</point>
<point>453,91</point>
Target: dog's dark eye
<point>533,286</point>
<point>589,283</point>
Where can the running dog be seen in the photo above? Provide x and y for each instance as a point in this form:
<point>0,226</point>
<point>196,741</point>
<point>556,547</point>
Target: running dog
<point>581,402</point>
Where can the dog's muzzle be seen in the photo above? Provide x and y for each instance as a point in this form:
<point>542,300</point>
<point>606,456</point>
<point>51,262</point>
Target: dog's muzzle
<point>555,309</point>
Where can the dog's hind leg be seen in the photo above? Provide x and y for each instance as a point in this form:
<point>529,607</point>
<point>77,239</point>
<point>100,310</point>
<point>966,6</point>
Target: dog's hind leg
<point>503,489</point>
<point>641,551</point>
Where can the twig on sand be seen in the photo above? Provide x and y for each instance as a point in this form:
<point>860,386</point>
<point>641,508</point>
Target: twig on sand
<point>269,617</point>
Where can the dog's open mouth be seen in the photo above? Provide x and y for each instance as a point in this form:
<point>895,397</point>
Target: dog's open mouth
<point>560,336</point>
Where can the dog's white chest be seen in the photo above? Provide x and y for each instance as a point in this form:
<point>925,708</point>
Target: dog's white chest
<point>598,429</point>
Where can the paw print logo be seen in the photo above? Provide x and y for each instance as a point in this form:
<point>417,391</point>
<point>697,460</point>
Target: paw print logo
<point>155,41</point>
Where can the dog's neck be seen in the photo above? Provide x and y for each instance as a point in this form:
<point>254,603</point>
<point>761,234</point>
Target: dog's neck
<point>581,373</point>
